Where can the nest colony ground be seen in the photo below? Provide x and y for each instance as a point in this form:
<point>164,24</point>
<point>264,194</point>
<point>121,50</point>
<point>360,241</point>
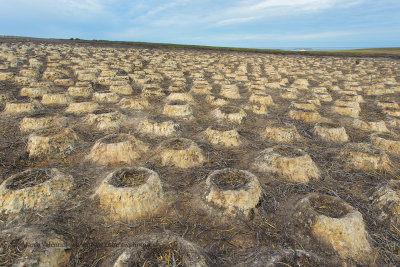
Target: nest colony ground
<point>113,155</point>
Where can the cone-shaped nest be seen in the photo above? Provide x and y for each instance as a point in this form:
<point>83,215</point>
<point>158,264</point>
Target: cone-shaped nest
<point>117,148</point>
<point>34,189</point>
<point>158,250</point>
<point>363,156</point>
<point>180,153</point>
<point>288,163</point>
<point>130,193</point>
<point>335,224</point>
<point>235,191</point>
<point>331,132</point>
<point>52,142</point>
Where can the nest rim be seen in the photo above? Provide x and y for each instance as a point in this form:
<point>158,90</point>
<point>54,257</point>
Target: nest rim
<point>237,179</point>
<point>22,181</point>
<point>329,206</point>
<point>130,177</point>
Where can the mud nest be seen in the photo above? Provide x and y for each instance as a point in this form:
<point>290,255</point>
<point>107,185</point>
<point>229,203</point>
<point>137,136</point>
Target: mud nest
<point>230,180</point>
<point>129,178</point>
<point>159,250</point>
<point>28,179</point>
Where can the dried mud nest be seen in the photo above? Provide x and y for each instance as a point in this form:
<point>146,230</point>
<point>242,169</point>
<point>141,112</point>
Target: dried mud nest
<point>35,189</point>
<point>23,246</point>
<point>181,153</point>
<point>335,224</point>
<point>288,163</point>
<point>158,250</point>
<point>116,149</point>
<point>235,191</point>
<point>130,193</point>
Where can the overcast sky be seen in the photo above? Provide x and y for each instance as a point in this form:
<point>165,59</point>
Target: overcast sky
<point>240,23</point>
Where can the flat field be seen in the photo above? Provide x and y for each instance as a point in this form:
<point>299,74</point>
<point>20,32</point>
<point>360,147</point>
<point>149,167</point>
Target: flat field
<point>118,154</point>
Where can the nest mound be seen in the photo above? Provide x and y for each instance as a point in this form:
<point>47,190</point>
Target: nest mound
<point>134,103</point>
<point>34,92</point>
<point>303,105</point>
<point>363,156</point>
<point>230,91</point>
<point>16,108</point>
<point>335,224</point>
<point>257,109</point>
<point>229,114</point>
<point>105,120</point>
<point>40,122</point>
<point>80,91</point>
<point>178,109</point>
<point>158,250</point>
<point>235,191</point>
<point>117,148</point>
<point>184,97</point>
<point>34,189</point>
<point>130,193</point>
<point>261,99</point>
<point>331,132</point>
<point>223,136</point>
<point>56,99</point>
<point>306,116</point>
<point>389,142</point>
<point>52,142</point>
<point>281,133</point>
<point>123,89</point>
<point>165,128</point>
<point>180,153</point>
<point>386,202</point>
<point>288,163</point>
<point>33,247</point>
<point>106,97</point>
<point>349,111</point>
<point>370,126</point>
<point>217,100</point>
<point>82,107</point>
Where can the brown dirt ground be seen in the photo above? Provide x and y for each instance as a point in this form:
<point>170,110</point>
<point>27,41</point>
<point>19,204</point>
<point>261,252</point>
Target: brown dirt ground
<point>83,224</point>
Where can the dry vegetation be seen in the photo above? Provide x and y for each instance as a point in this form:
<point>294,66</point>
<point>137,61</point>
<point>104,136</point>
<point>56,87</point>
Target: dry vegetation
<point>121,156</point>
